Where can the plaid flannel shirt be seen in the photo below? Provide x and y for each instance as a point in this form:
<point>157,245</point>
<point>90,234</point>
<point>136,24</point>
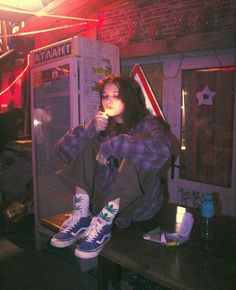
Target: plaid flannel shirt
<point>145,145</point>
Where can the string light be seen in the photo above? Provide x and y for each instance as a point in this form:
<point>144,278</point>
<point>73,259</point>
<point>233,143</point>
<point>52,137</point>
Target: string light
<point>18,77</point>
<point>41,14</point>
<point>219,69</point>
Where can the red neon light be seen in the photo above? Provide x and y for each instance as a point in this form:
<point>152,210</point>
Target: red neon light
<point>17,78</point>
<point>138,74</point>
<point>231,68</point>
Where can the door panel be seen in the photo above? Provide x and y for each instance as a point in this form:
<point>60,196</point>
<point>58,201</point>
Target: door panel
<point>199,103</point>
<point>207,115</point>
<point>54,109</point>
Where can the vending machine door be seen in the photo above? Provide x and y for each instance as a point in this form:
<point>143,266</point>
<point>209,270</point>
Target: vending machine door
<point>54,91</point>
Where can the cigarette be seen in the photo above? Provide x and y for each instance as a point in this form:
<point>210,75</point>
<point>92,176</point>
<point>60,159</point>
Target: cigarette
<point>106,113</point>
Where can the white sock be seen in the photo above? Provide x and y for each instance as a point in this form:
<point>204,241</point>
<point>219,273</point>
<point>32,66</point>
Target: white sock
<point>81,202</point>
<point>109,211</point>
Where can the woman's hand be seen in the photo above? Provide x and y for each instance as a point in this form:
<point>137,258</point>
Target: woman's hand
<point>101,121</point>
<point>101,158</point>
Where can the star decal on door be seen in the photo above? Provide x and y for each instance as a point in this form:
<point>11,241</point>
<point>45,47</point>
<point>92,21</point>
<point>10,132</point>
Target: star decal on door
<point>205,97</point>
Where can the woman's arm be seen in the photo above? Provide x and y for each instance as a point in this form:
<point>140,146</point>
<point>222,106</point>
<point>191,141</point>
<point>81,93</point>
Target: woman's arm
<point>74,140</point>
<point>148,147</point>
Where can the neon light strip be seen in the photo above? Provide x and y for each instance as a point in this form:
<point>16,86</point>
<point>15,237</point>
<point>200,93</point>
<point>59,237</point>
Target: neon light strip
<point>230,68</point>
<point>66,17</point>
<point>39,14</point>
<point>43,30</point>
<point>17,78</point>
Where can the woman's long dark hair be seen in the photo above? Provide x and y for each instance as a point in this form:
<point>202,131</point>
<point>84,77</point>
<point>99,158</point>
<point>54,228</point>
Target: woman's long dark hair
<point>131,94</point>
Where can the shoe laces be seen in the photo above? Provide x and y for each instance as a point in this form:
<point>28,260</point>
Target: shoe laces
<point>69,224</point>
<point>94,229</point>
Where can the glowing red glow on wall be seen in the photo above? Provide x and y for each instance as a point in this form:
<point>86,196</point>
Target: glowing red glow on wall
<point>100,23</point>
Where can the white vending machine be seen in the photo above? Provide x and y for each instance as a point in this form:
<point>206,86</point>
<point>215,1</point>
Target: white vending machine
<point>63,80</point>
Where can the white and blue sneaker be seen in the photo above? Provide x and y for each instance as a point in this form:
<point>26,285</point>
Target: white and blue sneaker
<point>97,235</point>
<point>72,230</point>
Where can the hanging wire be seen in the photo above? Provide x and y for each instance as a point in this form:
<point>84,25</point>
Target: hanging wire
<point>44,30</point>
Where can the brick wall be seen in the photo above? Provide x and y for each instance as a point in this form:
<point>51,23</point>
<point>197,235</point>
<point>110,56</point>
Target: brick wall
<point>143,20</point>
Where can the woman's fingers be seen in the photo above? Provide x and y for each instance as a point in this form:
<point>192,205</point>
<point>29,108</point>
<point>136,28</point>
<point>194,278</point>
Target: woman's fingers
<point>101,159</point>
<point>101,121</point>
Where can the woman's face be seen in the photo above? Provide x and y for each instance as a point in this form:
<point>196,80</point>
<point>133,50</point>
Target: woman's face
<point>111,102</point>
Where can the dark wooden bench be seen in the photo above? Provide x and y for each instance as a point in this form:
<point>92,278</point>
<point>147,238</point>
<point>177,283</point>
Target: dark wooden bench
<point>195,265</point>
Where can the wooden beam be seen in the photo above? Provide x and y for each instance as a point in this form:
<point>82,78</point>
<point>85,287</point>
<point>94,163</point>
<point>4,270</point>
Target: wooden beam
<point>195,42</point>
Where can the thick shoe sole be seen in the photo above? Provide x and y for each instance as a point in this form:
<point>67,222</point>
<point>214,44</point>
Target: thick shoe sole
<point>63,244</point>
<point>91,254</point>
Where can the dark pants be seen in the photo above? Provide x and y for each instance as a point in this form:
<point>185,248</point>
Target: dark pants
<point>130,185</point>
